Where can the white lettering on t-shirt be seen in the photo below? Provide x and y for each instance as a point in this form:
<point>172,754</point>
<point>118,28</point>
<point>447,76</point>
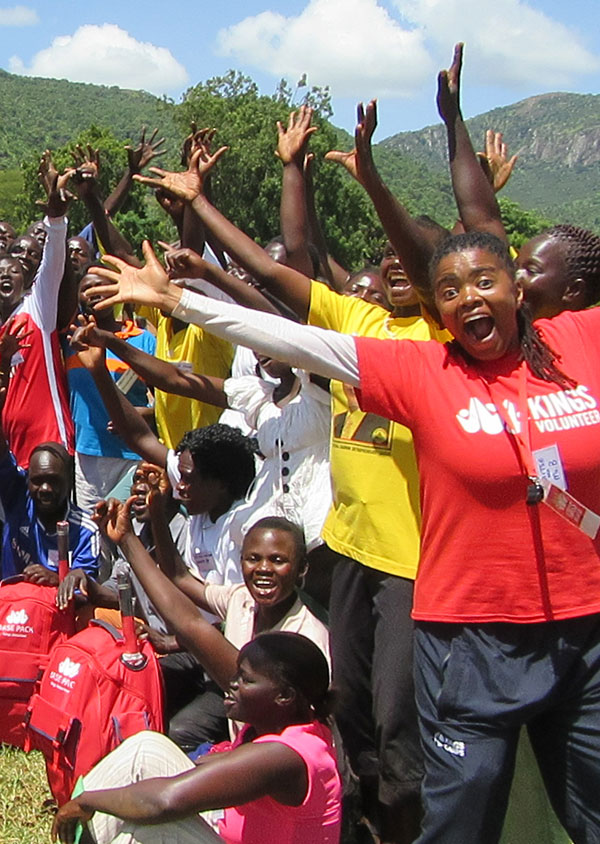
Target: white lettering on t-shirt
<point>557,411</point>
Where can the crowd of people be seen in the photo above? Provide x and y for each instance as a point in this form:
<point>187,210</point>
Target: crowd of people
<point>380,476</point>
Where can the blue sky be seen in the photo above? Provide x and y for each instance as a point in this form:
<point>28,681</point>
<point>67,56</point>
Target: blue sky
<point>390,49</point>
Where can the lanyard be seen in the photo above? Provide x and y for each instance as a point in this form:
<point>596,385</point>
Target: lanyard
<point>538,489</point>
<point>522,438</point>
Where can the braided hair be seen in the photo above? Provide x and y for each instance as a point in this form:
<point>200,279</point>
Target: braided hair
<point>582,256</point>
<point>542,360</point>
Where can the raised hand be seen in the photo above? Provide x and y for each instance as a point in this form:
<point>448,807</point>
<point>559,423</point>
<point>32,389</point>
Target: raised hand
<point>496,153</point>
<point>291,142</point>
<point>87,168</point>
<point>183,262</point>
<point>159,488</point>
<point>140,156</point>
<point>359,162</point>
<point>186,185</point>
<point>113,517</point>
<point>13,337</point>
<point>448,95</point>
<point>87,342</point>
<point>194,140</point>
<point>148,285</point>
<point>55,186</point>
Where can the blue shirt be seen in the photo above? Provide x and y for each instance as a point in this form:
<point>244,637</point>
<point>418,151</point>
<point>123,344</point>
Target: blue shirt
<point>87,408</point>
<point>25,540</point>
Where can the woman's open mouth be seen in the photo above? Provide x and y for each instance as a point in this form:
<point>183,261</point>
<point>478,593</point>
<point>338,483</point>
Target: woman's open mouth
<point>479,327</point>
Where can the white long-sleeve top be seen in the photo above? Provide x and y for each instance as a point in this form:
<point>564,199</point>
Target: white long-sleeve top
<point>317,350</point>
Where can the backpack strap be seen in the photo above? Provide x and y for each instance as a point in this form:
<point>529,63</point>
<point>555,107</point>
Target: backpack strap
<point>105,625</point>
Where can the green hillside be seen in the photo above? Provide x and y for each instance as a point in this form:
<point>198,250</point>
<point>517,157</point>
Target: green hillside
<point>46,113</point>
<point>557,138</point>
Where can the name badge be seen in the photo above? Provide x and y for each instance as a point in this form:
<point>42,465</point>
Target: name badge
<point>549,466</point>
<point>570,509</point>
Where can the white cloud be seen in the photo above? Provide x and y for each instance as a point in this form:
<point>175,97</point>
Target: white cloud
<point>106,55</point>
<point>354,46</point>
<point>18,16</point>
<point>360,49</point>
<point>508,42</point>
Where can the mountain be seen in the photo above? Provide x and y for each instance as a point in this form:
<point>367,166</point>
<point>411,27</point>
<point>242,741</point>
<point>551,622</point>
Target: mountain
<point>557,138</point>
<point>46,113</point>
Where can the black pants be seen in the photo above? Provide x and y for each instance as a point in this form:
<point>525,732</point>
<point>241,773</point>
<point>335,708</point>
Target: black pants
<point>194,710</point>
<point>476,686</point>
<point>372,646</point>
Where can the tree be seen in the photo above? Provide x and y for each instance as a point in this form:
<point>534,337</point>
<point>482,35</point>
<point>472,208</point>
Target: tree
<point>520,224</point>
<point>137,220</point>
<point>246,184</point>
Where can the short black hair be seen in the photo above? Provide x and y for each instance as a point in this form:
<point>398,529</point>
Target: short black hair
<point>285,525</point>
<point>293,660</point>
<point>223,453</point>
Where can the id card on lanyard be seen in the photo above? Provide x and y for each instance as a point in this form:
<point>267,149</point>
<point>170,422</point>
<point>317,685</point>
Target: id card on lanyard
<point>543,468</point>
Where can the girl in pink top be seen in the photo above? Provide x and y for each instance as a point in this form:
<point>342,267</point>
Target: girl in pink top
<point>279,779</point>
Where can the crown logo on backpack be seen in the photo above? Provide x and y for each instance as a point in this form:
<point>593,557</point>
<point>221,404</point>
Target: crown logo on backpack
<point>17,617</point>
<point>68,668</point>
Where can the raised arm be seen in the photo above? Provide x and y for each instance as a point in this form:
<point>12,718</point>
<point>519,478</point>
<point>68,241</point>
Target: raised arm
<point>286,284</point>
<point>475,197</point>
<point>413,243</point>
<point>85,181</point>
<point>128,423</point>
<point>321,352</point>
<point>43,299</point>
<point>138,157</point>
<point>186,263</point>
<point>155,372</point>
<point>292,143</point>
<point>194,632</point>
<point>335,274</point>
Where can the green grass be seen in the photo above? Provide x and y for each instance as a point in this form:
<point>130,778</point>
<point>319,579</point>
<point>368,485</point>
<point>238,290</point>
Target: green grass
<point>23,790</point>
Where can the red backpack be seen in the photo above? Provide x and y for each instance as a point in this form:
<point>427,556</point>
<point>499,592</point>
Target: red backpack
<point>30,625</point>
<point>96,691</point>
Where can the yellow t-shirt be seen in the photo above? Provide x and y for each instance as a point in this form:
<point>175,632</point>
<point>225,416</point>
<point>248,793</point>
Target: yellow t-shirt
<point>192,350</point>
<point>375,517</point>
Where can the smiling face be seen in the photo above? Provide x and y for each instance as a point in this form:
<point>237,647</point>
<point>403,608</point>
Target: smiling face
<point>400,291</point>
<point>48,483</point>
<point>270,565</point>
<point>12,283</point>
<point>368,286</point>
<point>544,275</point>
<point>477,300</point>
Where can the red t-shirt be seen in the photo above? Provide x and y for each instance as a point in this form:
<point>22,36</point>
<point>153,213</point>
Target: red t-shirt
<point>478,560</point>
<point>37,402</point>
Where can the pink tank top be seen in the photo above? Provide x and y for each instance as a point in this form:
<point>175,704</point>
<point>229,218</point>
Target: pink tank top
<point>316,820</point>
